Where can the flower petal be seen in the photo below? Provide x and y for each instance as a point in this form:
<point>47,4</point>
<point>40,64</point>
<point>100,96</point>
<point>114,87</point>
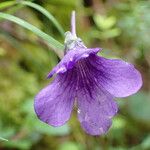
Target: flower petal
<point>118,77</point>
<point>70,59</point>
<point>95,113</point>
<point>96,105</point>
<point>54,103</point>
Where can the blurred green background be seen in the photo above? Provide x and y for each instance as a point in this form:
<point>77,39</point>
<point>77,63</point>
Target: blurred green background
<point>120,27</point>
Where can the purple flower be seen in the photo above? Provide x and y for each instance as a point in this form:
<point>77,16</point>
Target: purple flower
<point>90,80</point>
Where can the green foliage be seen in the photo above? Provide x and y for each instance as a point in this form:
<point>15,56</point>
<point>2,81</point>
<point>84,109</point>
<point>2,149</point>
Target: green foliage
<point>3,139</point>
<point>46,13</point>
<point>135,22</point>
<point>35,125</point>
<point>120,27</point>
<point>52,42</point>
<point>146,143</point>
<point>105,27</point>
<point>141,102</point>
<point>104,23</point>
<point>70,146</point>
<point>7,4</point>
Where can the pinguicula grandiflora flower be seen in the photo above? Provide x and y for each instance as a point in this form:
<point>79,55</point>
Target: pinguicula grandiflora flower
<point>90,80</point>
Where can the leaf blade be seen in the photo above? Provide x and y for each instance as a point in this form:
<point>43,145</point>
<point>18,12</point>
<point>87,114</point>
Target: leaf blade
<point>53,43</point>
<point>4,5</point>
<point>46,13</point>
<point>2,139</point>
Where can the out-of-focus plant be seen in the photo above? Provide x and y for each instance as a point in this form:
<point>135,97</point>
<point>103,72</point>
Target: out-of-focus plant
<point>140,102</point>
<point>3,139</point>
<point>4,5</point>
<point>134,22</point>
<point>24,60</point>
<point>50,41</point>
<point>105,27</point>
<point>46,13</point>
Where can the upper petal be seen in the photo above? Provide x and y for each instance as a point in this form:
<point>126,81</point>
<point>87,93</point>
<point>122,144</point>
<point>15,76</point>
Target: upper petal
<point>54,103</point>
<point>70,59</point>
<point>118,77</point>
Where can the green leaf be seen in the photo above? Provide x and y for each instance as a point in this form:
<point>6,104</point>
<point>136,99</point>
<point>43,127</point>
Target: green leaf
<point>140,101</point>
<point>34,124</point>
<point>53,43</point>
<point>146,142</point>
<point>103,22</point>
<point>4,5</point>
<point>117,148</point>
<point>2,139</point>
<point>70,146</point>
<point>49,130</point>
<point>118,123</point>
<point>24,144</point>
<point>110,33</point>
<point>46,13</point>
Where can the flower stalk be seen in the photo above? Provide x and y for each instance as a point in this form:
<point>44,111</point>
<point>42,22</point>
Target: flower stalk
<point>73,23</point>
